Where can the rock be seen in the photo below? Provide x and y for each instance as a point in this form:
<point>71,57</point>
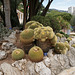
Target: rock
<point>42,69</point>
<point>12,38</point>
<point>47,62</point>
<point>70,71</point>
<point>8,46</point>
<point>71,56</point>
<point>1,73</point>
<point>9,70</point>
<point>61,39</point>
<point>45,71</point>
<point>29,69</point>
<point>3,55</point>
<point>58,62</point>
<point>20,64</point>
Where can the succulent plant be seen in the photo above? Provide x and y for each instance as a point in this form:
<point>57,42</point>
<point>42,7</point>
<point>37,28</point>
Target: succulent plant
<point>59,35</point>
<point>27,36</point>
<point>60,48</point>
<point>67,45</point>
<point>43,33</point>
<point>33,24</point>
<point>73,45</point>
<point>54,40</point>
<point>35,54</point>
<point>18,54</point>
<point>4,32</point>
<point>69,39</point>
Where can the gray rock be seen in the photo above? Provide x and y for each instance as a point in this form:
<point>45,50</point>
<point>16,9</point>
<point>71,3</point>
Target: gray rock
<point>29,68</point>
<point>20,64</point>
<point>12,38</point>
<point>71,56</point>
<point>9,70</point>
<point>42,69</point>
<point>45,71</point>
<point>3,55</point>
<point>8,46</point>
<point>1,73</point>
<point>70,71</point>
<point>58,62</point>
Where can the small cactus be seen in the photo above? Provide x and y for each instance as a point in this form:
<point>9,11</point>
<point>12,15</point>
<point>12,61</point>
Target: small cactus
<point>73,45</point>
<point>60,48</point>
<point>35,54</point>
<point>69,39</point>
<point>67,45</point>
<point>59,35</point>
<point>27,36</point>
<point>54,40</point>
<point>18,54</point>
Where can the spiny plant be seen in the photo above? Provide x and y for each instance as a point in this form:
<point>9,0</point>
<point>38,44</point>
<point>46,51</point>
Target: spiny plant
<point>54,40</point>
<point>18,54</point>
<point>35,54</point>
<point>27,36</point>
<point>73,45</point>
<point>43,33</point>
<point>33,24</point>
<point>60,48</point>
<point>67,45</point>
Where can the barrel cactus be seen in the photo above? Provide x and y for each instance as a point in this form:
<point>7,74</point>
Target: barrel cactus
<point>43,33</point>
<point>27,36</point>
<point>60,48</point>
<point>33,24</point>
<point>54,40</point>
<point>59,35</point>
<point>73,45</point>
<point>35,54</point>
<point>69,39</point>
<point>18,54</point>
<point>67,45</point>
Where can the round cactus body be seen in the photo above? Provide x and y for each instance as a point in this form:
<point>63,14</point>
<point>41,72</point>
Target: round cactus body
<point>60,48</point>
<point>29,23</point>
<point>69,39</point>
<point>67,45</point>
<point>73,45</point>
<point>27,36</point>
<point>43,33</point>
<point>54,40</point>
<point>59,35</point>
<point>33,25</point>
<point>35,54</point>
<point>18,54</point>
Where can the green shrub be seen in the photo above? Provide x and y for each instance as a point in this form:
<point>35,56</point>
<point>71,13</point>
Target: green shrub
<point>48,21</point>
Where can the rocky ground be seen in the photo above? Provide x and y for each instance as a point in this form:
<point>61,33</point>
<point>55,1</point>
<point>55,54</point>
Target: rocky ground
<point>52,64</point>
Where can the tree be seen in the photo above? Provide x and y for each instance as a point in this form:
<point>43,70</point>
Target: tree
<point>7,13</point>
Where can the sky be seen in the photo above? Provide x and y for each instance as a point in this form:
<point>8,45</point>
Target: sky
<point>60,4</point>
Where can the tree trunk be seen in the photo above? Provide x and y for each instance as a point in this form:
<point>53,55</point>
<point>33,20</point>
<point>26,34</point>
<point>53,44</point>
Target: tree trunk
<point>46,8</point>
<point>7,13</point>
<point>24,20</point>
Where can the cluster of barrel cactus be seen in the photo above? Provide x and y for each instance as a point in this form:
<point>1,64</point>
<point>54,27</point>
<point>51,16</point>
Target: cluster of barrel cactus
<point>61,48</point>
<point>43,33</point>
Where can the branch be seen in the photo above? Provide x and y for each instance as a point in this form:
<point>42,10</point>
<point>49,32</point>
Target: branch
<point>46,8</point>
<point>38,7</point>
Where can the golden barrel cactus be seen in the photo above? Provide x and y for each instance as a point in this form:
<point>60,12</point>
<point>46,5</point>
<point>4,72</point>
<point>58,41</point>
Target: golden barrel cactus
<point>27,36</point>
<point>18,54</point>
<point>35,54</point>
